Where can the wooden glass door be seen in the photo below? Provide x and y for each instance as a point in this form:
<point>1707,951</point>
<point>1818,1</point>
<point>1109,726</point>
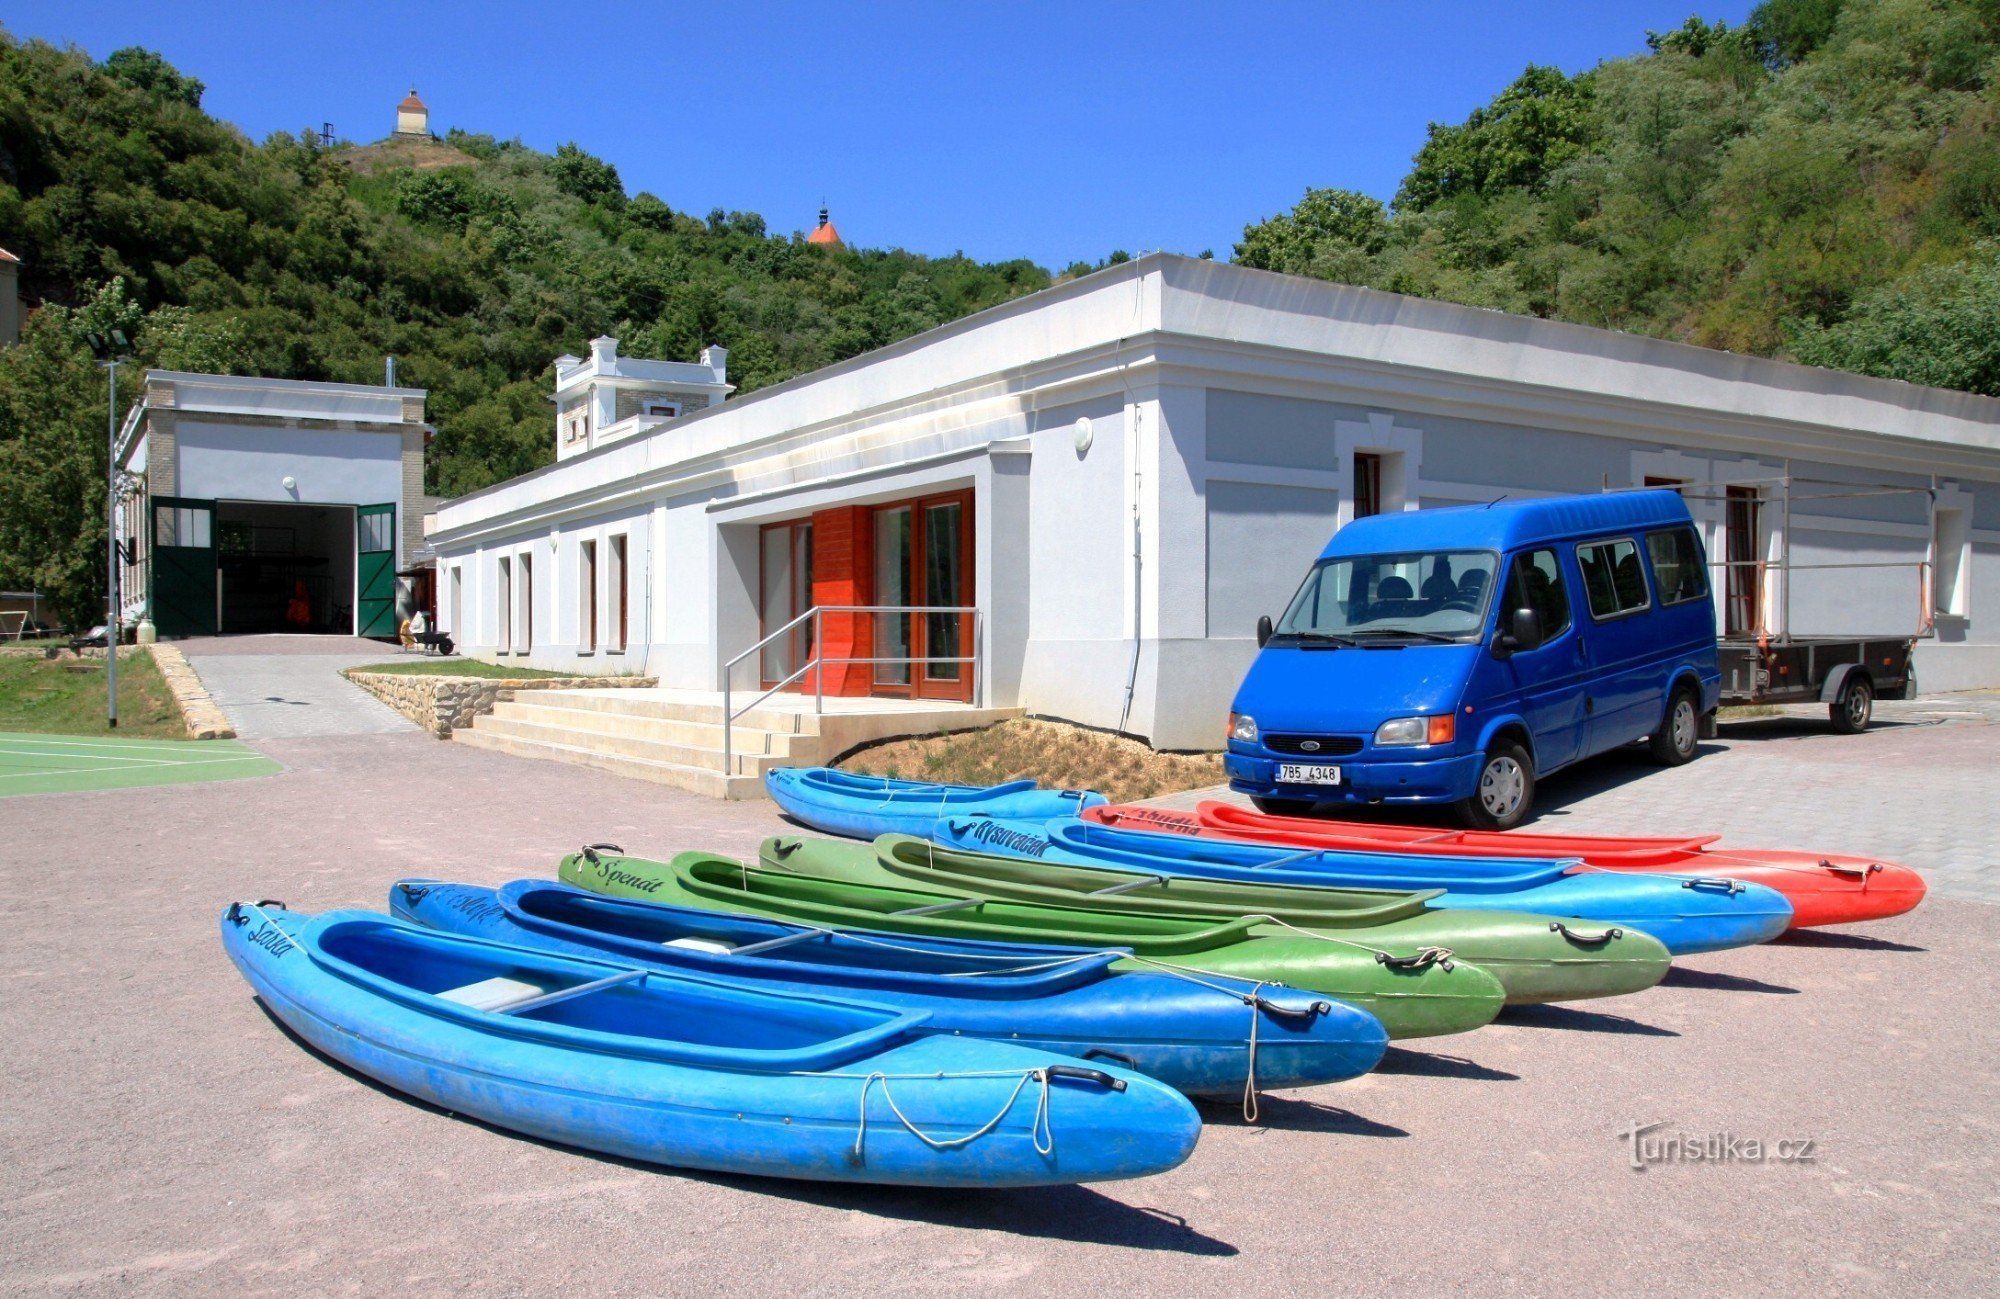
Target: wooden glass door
<point>1743,544</point>
<point>923,557</point>
<point>785,590</point>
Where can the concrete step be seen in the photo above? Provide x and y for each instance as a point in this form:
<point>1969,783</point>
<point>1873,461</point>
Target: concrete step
<point>698,780</point>
<point>629,746</point>
<point>643,703</point>
<point>701,735</point>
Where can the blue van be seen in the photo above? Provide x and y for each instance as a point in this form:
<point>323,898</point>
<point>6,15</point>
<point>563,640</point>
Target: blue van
<point>1457,655</point>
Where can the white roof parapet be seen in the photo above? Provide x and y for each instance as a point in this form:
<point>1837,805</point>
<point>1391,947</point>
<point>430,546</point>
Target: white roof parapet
<point>229,394</point>
<point>710,374</point>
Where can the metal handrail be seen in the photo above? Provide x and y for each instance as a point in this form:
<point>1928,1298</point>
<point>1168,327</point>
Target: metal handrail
<point>820,660</point>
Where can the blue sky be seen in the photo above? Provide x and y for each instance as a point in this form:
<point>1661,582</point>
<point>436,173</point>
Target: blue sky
<point>1053,131</point>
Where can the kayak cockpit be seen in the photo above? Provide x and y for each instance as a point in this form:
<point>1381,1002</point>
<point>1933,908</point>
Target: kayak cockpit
<point>600,1006</point>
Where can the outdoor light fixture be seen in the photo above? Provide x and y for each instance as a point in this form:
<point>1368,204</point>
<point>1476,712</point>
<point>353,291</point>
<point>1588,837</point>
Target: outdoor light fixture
<point>1083,434</point>
<point>291,484</point>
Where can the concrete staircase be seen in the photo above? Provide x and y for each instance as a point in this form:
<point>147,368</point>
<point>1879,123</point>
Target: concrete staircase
<point>674,737</point>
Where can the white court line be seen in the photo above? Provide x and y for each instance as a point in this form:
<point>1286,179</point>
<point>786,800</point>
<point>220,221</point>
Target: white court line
<point>157,746</point>
<point>89,757</point>
<point>88,771</point>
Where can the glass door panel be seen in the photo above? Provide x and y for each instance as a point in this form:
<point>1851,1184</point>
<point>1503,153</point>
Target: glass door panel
<point>944,584</point>
<point>893,558</point>
<point>785,592</point>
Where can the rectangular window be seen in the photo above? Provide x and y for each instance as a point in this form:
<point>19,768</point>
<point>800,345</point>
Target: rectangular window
<point>378,531</point>
<point>456,601</point>
<point>1613,581</point>
<point>1673,485</point>
<point>1952,540</point>
<point>586,598</point>
<point>1536,582</point>
<point>527,642</point>
<point>1677,566</point>
<point>1367,484</point>
<point>656,406</point>
<point>615,583</point>
<point>1743,580</point>
<point>506,605</point>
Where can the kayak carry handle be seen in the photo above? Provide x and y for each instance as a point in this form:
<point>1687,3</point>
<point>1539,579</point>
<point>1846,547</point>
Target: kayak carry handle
<point>1839,868</point>
<point>1424,959</point>
<point>1101,1053</point>
<point>782,848</point>
<point>235,914</point>
<point>1586,940</point>
<point>1308,1012</point>
<point>413,891</point>
<point>1712,884</point>
<point>1098,1076</point>
<point>590,851</point>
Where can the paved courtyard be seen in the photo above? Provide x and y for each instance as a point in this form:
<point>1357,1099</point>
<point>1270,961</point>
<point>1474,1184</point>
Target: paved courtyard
<point>270,686</point>
<point>163,1135</point>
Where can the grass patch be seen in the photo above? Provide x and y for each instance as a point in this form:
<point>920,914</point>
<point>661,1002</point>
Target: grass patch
<point>1739,712</point>
<point>65,696</point>
<point>1053,753</point>
<point>437,667</point>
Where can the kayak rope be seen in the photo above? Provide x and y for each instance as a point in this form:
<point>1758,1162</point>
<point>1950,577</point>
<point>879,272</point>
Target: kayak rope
<point>236,917</point>
<point>1043,1134</point>
<point>1421,959</point>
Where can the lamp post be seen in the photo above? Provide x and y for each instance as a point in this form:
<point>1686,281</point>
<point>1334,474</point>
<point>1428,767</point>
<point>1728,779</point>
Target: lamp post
<point>111,349</point>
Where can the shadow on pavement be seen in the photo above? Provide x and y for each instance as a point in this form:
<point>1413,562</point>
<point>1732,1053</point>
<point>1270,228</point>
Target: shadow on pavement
<point>1851,942</point>
<point>1426,1064</point>
<point>1071,1213</point>
<point>1289,1114</point>
<point>1584,1021</point>
<point>1684,978</point>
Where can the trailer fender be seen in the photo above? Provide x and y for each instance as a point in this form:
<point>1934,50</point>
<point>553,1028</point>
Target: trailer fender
<point>1836,680</point>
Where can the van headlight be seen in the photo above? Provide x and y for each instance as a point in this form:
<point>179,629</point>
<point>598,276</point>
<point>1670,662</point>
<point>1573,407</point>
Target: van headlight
<point>1242,726</point>
<point>1417,730</point>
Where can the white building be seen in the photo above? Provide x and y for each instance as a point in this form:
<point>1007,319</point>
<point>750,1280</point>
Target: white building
<point>272,505</point>
<point>1121,473</point>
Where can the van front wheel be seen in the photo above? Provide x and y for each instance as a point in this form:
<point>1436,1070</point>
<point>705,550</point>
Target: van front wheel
<point>1505,791</point>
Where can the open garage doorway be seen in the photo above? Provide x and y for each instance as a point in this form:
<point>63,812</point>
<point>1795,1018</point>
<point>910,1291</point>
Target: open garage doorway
<point>283,567</point>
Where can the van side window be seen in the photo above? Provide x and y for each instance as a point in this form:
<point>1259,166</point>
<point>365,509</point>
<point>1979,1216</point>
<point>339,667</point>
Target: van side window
<point>1536,582</point>
<point>1677,567</point>
<point>1613,580</point>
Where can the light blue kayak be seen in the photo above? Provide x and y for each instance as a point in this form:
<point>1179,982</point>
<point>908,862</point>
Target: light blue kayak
<point>694,1073</point>
<point>863,807</point>
<point>1686,913</point>
<point>1194,1034</point>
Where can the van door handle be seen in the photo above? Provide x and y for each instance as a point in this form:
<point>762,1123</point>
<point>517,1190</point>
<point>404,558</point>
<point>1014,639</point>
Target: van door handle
<point>1581,652</point>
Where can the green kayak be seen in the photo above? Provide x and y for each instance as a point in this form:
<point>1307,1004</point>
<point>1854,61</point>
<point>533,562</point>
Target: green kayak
<point>1536,958</point>
<point>1418,994</point>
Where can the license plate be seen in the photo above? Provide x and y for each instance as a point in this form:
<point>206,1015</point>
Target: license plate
<point>1306,773</point>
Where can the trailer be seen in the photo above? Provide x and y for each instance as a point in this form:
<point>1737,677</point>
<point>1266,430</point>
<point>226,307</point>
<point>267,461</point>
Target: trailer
<point>1766,664</point>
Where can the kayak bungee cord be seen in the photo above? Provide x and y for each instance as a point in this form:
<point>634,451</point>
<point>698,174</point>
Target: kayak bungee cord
<point>1038,1129</point>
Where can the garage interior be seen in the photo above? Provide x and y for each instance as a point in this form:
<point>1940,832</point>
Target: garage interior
<point>285,567</point>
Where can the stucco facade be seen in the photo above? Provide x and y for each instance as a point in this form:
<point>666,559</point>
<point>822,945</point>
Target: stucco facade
<point>1154,453</point>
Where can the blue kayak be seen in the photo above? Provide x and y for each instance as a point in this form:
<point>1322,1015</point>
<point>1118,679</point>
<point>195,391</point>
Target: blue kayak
<point>1686,913</point>
<point>1192,1034</point>
<point>695,1073</point>
<point>862,807</point>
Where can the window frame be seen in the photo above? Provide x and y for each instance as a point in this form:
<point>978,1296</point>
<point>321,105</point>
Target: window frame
<point>650,405</point>
<point>1519,561</point>
<point>1576,553</point>
<point>1697,558</point>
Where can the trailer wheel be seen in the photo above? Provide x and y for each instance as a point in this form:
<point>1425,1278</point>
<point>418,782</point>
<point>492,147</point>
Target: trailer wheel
<point>1855,708</point>
<point>1505,791</point>
<point>1281,806</point>
<point>1679,732</point>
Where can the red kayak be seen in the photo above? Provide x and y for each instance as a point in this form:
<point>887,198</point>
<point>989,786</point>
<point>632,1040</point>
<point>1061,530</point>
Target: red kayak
<point>1822,889</point>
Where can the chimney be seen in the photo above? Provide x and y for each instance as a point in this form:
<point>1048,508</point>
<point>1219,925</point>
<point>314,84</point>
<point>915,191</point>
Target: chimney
<point>716,357</point>
<point>604,351</point>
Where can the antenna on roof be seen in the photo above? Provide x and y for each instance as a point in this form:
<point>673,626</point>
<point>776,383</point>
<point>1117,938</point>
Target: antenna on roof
<point>1495,501</point>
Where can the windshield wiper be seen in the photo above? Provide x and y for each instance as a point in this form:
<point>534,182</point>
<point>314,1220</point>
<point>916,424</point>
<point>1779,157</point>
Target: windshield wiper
<point>1306,638</point>
<point>1438,638</point>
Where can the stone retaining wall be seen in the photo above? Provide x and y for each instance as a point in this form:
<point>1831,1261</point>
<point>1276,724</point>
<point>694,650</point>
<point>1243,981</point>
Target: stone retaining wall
<point>204,719</point>
<point>442,704</point>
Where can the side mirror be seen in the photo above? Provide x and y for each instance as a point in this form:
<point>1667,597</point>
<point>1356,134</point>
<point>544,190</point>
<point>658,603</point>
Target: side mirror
<point>1523,632</point>
<point>1263,630</point>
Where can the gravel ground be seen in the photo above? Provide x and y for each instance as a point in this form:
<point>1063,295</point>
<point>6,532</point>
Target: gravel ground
<point>162,1134</point>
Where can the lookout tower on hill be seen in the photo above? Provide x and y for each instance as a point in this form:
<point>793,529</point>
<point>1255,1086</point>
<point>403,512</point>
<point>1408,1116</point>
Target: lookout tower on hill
<point>824,233</point>
<point>412,118</point>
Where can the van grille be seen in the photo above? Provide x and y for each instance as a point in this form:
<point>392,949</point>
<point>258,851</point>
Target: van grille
<point>1325,746</point>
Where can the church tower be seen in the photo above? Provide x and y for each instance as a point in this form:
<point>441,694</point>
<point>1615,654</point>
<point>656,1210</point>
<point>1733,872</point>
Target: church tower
<point>412,118</point>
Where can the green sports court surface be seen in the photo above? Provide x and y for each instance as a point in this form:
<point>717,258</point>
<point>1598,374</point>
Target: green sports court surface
<point>65,764</point>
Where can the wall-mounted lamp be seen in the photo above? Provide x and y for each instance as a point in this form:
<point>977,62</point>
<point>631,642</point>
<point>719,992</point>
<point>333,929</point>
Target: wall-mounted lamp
<point>291,484</point>
<point>1082,434</point>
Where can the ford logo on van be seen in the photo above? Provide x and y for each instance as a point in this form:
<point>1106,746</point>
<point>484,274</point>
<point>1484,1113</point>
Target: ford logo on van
<point>1309,746</point>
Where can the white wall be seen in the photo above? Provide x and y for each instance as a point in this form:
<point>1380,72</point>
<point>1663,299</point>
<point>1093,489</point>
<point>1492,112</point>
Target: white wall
<point>237,462</point>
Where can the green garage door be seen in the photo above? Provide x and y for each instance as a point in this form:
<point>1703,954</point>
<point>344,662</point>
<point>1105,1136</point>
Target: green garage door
<point>375,573</point>
<point>183,566</point>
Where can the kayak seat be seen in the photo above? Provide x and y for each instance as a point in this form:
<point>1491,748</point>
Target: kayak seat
<point>493,994</point>
<point>709,945</point>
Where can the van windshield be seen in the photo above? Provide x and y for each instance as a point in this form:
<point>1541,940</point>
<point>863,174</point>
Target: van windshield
<point>1420,595</point>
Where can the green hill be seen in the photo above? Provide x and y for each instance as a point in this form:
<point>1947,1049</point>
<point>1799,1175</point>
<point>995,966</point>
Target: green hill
<point>1822,183</point>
